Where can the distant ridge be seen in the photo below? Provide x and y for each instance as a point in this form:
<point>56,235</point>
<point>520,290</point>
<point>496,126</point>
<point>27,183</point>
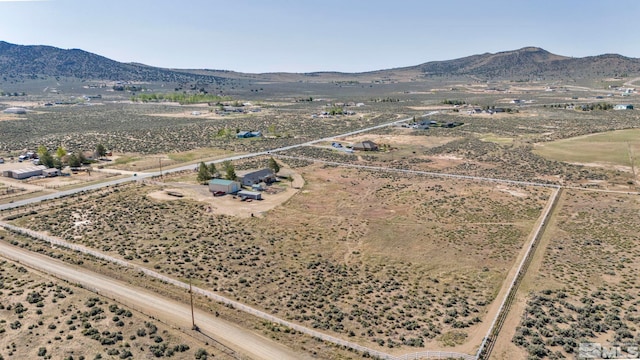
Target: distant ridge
<point>38,60</point>
<point>531,61</point>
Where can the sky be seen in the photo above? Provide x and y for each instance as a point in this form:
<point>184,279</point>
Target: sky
<point>259,36</point>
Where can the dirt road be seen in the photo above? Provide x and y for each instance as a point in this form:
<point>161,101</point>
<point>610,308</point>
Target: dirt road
<point>171,312</point>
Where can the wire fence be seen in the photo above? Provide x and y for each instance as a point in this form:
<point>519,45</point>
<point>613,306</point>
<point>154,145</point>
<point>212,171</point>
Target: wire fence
<point>235,304</point>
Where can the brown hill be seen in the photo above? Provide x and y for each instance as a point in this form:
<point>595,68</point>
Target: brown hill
<point>529,62</point>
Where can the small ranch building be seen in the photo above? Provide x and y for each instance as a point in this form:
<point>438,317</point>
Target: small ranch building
<point>15,110</point>
<point>623,107</point>
<point>256,177</point>
<point>228,186</point>
<point>248,134</point>
<point>250,195</point>
<point>51,172</point>
<point>24,173</point>
<point>366,146</point>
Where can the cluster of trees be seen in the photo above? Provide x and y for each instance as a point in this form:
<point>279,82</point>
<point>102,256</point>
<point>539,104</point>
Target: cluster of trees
<point>388,99</point>
<point>207,172</point>
<point>127,88</point>
<point>335,110</point>
<point>181,98</point>
<point>2,93</point>
<point>61,158</point>
<point>453,102</point>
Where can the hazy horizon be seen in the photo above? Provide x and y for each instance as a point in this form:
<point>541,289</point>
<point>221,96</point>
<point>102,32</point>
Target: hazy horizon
<point>284,36</point>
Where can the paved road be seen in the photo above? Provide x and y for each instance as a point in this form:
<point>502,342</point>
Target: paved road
<point>172,312</point>
<point>144,175</point>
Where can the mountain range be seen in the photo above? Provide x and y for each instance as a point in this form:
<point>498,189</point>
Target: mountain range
<point>31,61</point>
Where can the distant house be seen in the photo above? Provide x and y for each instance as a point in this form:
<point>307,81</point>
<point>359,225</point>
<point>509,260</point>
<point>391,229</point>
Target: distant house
<point>248,134</point>
<point>256,177</point>
<point>366,146</point>
<point>89,155</point>
<point>623,107</point>
<point>15,110</point>
<point>227,186</point>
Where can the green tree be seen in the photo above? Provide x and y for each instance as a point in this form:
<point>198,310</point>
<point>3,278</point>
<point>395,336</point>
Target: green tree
<point>212,170</point>
<point>61,152</point>
<point>203,173</point>
<point>44,157</point>
<point>273,165</point>
<point>229,170</point>
<point>74,161</point>
<point>101,150</point>
<point>42,150</point>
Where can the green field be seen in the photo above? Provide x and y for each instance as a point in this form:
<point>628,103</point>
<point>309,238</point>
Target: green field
<point>610,148</point>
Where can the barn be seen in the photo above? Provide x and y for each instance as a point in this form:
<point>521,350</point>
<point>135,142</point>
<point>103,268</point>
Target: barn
<point>24,173</point>
<point>228,186</point>
<point>250,195</point>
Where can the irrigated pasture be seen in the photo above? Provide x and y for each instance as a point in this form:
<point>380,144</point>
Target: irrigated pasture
<point>609,149</point>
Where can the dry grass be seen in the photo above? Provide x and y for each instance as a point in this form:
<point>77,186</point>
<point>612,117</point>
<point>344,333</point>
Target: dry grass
<point>377,258</point>
<point>46,318</point>
<point>586,289</point>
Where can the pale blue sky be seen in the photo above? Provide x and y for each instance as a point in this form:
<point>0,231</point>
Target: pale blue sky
<point>305,35</point>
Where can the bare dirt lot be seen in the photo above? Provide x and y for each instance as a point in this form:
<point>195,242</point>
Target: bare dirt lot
<point>229,204</point>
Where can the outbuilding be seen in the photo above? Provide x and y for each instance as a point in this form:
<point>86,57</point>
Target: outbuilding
<point>24,173</point>
<point>51,172</point>
<point>15,110</point>
<point>228,186</point>
<point>623,107</point>
<point>249,195</point>
<point>366,146</point>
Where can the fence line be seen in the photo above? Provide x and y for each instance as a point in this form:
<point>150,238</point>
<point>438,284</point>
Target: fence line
<point>489,341</point>
<point>235,304</point>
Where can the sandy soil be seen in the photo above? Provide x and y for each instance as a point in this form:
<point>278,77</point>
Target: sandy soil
<point>395,139</point>
<point>17,103</point>
<point>253,345</point>
<point>512,191</point>
<point>232,205</point>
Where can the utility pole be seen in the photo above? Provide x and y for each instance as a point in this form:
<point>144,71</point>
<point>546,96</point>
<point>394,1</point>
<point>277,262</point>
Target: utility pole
<point>160,162</point>
<point>193,320</point>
